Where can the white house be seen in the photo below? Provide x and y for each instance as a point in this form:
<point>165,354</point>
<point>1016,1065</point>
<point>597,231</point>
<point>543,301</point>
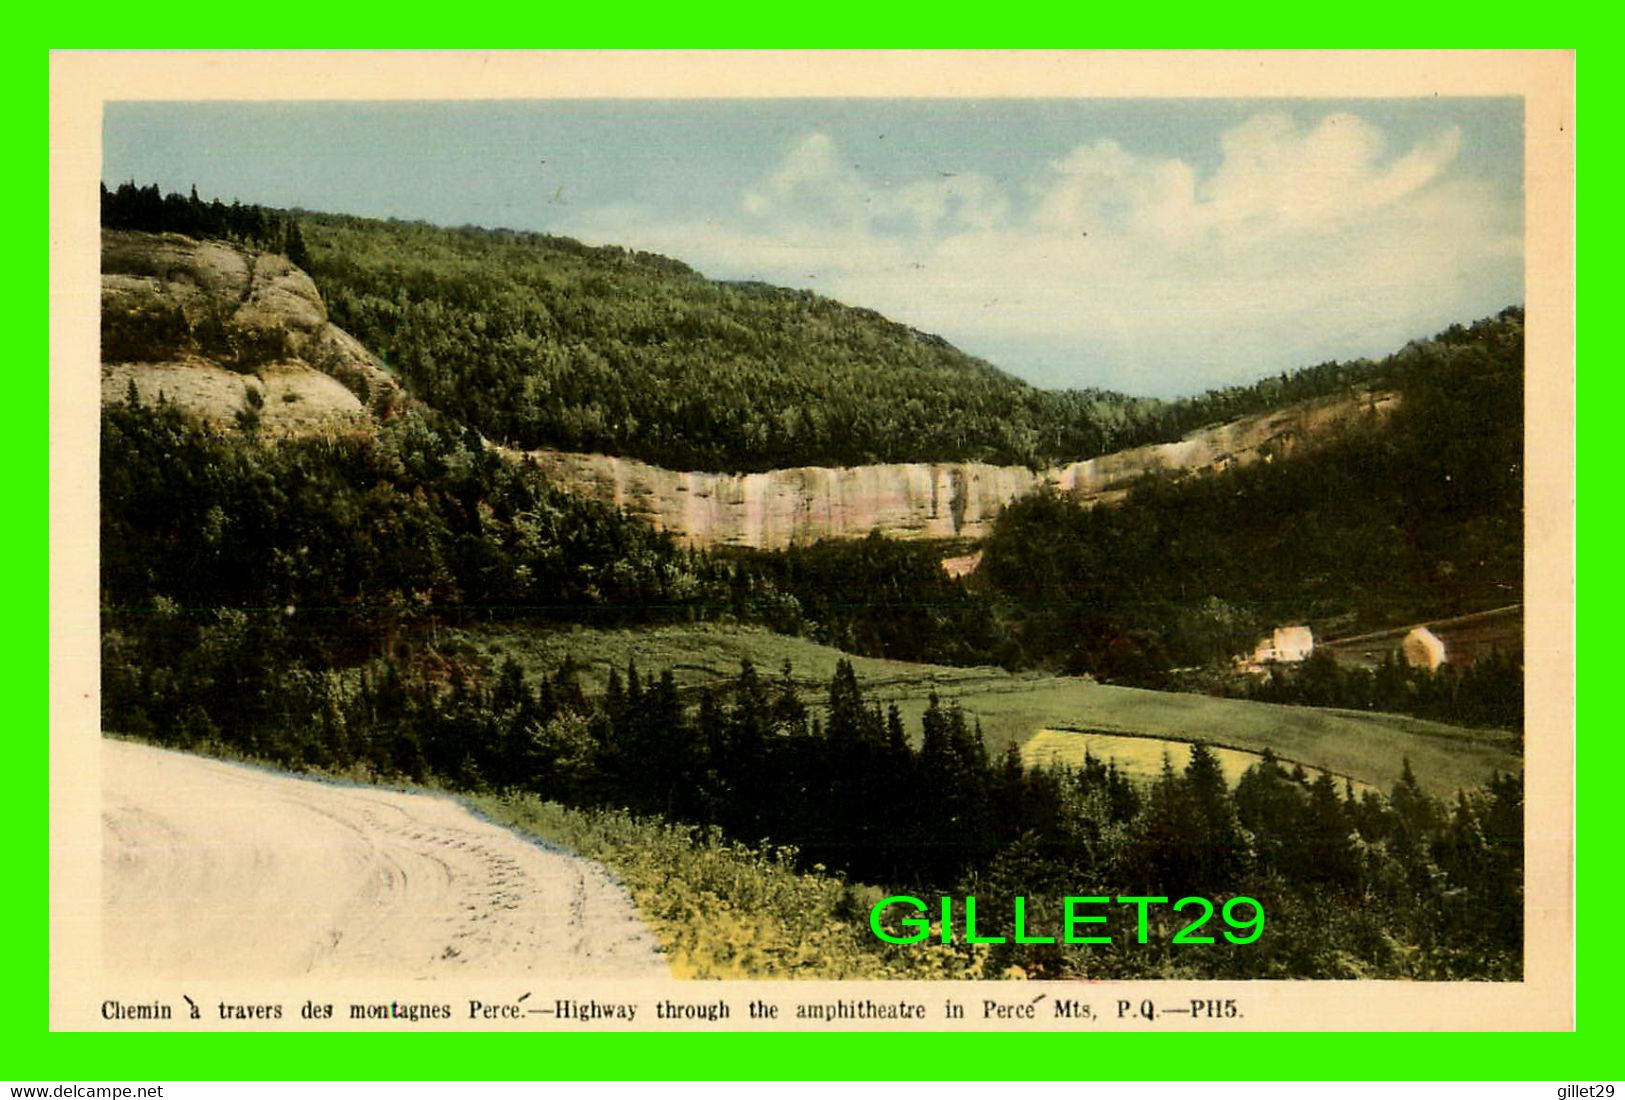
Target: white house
<point>1289,645</point>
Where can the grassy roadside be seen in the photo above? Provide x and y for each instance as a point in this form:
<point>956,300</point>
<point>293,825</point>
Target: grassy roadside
<point>723,910</point>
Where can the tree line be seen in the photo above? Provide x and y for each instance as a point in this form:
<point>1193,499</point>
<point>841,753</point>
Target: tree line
<point>368,542</point>
<point>1355,884</point>
<point>148,210</point>
<point>1488,692</point>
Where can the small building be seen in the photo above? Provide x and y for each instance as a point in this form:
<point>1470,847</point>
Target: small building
<point>1423,649</point>
<point>1288,645</point>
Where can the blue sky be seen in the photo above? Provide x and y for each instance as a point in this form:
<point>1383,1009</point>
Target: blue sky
<point>1152,246</point>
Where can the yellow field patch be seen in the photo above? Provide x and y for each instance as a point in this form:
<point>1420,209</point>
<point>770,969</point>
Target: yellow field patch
<point>1137,757</point>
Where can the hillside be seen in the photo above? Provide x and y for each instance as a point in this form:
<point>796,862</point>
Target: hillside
<point>1352,512</point>
<point>240,337</point>
<point>1349,514</point>
<point>542,342</point>
<point>1415,519</point>
<point>1018,708</point>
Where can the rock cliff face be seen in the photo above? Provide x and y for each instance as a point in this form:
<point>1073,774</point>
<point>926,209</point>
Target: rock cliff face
<point>222,331</point>
<point>780,508</point>
<point>241,338</point>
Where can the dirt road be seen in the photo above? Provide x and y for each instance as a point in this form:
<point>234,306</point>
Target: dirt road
<point>213,869</point>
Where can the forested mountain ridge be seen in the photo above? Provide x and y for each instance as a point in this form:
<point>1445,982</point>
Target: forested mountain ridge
<point>1388,517</point>
<point>238,337</point>
<point>541,341</point>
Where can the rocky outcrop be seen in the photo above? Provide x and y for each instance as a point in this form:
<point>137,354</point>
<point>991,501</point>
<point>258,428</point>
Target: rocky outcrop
<point>242,339</point>
<point>946,500</point>
<point>236,337</point>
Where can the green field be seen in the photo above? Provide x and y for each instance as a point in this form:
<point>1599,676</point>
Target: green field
<point>1017,707</point>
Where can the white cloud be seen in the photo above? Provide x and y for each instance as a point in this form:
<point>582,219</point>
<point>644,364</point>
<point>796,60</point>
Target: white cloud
<point>815,191</point>
<point>1110,267</point>
<point>1276,178</point>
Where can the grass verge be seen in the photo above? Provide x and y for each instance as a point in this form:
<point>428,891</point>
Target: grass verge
<point>724,910</point>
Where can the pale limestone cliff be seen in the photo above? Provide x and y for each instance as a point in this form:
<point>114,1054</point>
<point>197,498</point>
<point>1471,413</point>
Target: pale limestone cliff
<point>780,508</point>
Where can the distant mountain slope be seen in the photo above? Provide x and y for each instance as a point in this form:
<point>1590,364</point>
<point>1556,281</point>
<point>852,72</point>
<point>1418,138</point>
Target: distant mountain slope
<point>541,341</point>
<point>1418,518</point>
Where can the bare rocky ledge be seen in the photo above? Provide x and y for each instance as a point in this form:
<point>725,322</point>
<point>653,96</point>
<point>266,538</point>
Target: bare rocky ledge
<point>316,378</point>
<point>324,381</point>
<point>944,500</point>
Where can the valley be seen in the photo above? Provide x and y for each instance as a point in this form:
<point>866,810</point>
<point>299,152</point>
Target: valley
<point>1036,712</point>
<point>752,591</point>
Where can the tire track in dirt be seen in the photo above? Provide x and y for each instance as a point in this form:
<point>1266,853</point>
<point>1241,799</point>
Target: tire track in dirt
<point>213,869</point>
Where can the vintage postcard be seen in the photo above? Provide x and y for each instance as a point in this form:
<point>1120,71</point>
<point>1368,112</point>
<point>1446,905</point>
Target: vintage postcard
<point>820,541</point>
